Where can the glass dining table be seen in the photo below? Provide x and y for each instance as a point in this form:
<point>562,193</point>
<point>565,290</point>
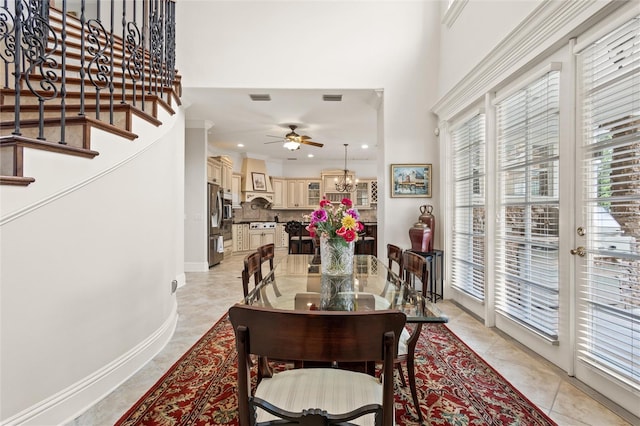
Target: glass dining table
<point>296,283</point>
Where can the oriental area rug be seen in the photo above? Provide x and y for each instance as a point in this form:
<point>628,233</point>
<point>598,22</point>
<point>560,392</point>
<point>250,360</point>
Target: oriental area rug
<point>455,387</point>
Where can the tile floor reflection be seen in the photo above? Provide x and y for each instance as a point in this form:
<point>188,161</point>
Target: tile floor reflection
<point>208,295</point>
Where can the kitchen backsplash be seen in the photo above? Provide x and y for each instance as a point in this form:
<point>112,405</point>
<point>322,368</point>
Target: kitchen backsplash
<point>257,213</point>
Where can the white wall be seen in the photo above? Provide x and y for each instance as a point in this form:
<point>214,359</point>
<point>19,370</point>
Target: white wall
<point>388,45</point>
<point>86,275</point>
<point>196,231</point>
<point>481,26</point>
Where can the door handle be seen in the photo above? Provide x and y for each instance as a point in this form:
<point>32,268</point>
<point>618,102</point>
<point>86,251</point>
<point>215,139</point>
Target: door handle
<point>580,251</point>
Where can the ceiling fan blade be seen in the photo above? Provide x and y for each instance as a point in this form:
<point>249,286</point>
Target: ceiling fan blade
<point>305,137</point>
<point>312,143</point>
<point>280,141</point>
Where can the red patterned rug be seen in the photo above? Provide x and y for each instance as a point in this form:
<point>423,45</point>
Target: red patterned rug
<point>455,387</point>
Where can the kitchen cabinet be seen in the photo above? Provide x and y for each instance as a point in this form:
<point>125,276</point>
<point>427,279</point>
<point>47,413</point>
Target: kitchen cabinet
<point>279,186</point>
<point>236,182</point>
<point>329,180</point>
<point>259,237</point>
<point>214,170</point>
<point>240,235</point>
<point>223,170</point>
<point>282,238</point>
<point>364,194</point>
<point>303,193</point>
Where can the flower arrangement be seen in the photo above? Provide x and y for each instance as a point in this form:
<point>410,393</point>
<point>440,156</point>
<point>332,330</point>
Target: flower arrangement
<point>334,221</point>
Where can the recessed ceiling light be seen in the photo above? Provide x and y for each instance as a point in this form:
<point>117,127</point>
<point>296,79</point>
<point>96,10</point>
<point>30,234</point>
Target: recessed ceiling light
<point>365,146</point>
<point>240,145</point>
<point>310,155</point>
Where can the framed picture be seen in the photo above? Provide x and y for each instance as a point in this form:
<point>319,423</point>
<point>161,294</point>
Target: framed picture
<point>259,181</point>
<point>411,180</point>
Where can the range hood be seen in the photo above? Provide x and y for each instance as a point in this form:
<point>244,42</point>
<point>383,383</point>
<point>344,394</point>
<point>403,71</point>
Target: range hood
<point>255,182</point>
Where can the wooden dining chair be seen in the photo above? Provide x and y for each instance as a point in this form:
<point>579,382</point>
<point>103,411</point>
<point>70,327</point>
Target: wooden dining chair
<point>414,267</point>
<point>331,395</point>
<point>394,254</point>
<point>267,253</point>
<point>252,268</point>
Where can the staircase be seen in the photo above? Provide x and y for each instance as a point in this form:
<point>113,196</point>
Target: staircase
<point>73,73</point>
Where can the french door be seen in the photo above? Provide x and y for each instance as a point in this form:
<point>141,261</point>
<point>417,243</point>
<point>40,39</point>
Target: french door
<point>607,233</point>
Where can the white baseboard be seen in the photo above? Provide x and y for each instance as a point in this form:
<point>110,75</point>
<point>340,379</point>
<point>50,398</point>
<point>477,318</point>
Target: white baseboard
<point>77,398</point>
<point>196,266</point>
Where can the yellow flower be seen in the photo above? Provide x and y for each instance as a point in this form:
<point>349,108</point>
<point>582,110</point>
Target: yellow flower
<point>349,222</point>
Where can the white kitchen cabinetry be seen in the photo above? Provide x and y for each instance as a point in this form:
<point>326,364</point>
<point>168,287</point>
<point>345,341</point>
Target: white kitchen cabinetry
<point>303,193</point>
<point>282,238</point>
<point>223,172</point>
<point>364,195</point>
<point>259,237</point>
<point>240,234</point>
<point>279,186</point>
<point>214,170</point>
<point>236,181</point>
<point>329,180</point>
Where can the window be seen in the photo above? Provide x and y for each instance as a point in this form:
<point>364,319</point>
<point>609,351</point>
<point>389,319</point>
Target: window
<point>609,284</point>
<point>527,231</point>
<point>469,206</point>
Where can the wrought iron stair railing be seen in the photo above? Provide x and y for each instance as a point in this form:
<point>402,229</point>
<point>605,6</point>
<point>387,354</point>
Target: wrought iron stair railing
<point>65,71</point>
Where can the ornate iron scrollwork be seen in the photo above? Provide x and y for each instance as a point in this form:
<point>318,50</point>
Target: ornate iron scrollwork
<point>7,36</point>
<point>40,43</point>
<point>97,43</point>
<point>134,62</point>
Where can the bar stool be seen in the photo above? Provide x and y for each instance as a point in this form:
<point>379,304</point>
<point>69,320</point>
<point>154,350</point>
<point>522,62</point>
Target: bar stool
<point>298,243</point>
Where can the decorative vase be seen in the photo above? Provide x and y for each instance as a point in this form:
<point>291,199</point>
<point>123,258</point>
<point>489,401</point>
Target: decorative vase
<point>336,256</point>
<point>336,293</point>
<point>427,217</point>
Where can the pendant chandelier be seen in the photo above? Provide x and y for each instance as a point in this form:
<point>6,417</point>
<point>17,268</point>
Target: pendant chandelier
<point>344,184</point>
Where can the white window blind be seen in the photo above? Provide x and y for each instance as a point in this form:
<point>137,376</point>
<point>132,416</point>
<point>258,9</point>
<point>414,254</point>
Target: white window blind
<point>527,231</point>
<point>468,246</point>
<point>609,284</point>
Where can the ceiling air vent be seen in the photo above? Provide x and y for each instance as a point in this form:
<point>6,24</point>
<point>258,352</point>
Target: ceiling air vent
<point>259,97</point>
<point>332,98</point>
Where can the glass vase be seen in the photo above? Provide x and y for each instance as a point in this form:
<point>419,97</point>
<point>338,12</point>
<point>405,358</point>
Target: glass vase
<point>336,256</point>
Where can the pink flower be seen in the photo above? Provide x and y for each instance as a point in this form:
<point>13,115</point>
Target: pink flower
<point>324,202</point>
<point>312,230</point>
<point>347,202</point>
<point>318,216</point>
<point>353,213</point>
<point>350,235</point>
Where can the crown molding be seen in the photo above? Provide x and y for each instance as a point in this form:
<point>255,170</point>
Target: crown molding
<point>551,23</point>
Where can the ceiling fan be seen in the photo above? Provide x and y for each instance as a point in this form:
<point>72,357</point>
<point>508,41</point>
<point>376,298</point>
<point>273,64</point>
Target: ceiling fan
<point>292,140</point>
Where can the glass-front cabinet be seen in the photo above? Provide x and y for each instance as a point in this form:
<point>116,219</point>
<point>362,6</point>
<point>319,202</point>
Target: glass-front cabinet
<point>303,193</point>
<point>313,193</point>
<point>363,194</point>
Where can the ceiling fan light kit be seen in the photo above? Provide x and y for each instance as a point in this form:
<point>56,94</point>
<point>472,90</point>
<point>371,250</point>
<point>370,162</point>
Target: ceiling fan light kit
<point>292,140</point>
<point>291,145</point>
<point>344,184</point>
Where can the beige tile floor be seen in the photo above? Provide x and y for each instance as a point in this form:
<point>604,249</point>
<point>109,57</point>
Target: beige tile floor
<point>208,295</point>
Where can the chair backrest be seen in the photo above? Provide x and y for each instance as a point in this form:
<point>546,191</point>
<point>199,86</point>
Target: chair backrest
<point>394,254</point>
<point>293,228</point>
<point>252,268</point>
<point>323,336</point>
<point>267,253</point>
<point>415,266</point>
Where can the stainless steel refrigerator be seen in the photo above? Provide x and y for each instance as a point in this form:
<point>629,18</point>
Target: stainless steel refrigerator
<point>215,216</point>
